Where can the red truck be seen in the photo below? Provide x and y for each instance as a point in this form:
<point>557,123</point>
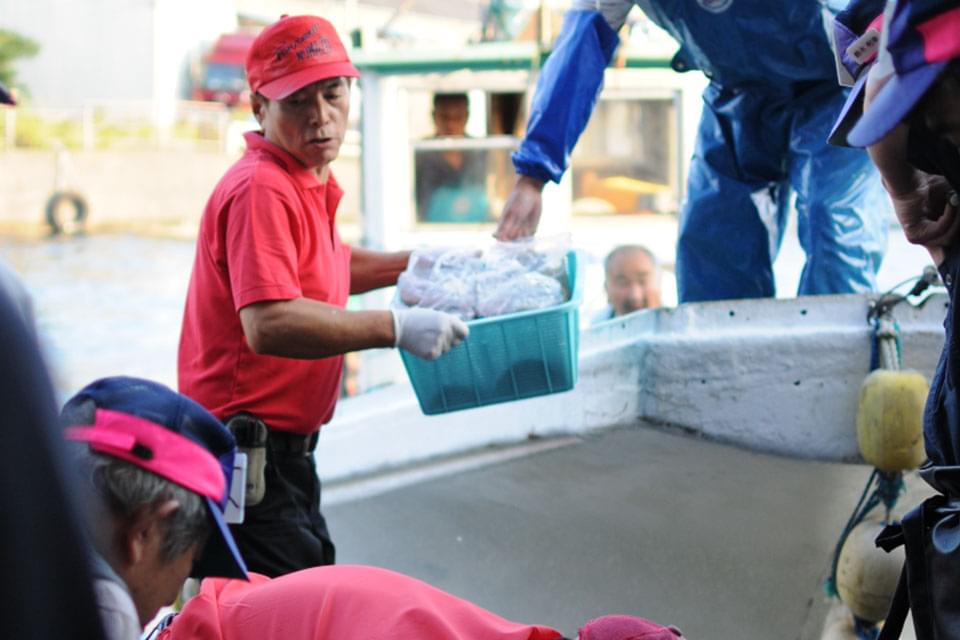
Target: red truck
<point>223,78</point>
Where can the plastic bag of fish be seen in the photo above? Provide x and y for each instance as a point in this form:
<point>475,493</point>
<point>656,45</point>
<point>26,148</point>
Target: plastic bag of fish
<point>505,278</point>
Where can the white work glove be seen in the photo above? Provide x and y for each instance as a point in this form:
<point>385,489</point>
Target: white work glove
<point>426,333</point>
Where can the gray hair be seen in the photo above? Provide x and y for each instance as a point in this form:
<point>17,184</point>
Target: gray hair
<point>124,489</point>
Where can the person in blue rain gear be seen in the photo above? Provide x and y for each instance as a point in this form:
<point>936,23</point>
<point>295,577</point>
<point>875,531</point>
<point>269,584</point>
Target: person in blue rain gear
<point>768,110</point>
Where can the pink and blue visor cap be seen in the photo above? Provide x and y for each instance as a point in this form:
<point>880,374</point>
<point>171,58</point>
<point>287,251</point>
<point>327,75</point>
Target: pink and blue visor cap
<point>921,38</point>
<point>163,432</point>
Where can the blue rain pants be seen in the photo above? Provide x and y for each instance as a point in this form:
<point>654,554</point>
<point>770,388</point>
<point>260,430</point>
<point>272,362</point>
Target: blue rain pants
<point>754,150</point>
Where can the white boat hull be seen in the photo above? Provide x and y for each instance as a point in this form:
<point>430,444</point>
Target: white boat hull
<point>778,376</point>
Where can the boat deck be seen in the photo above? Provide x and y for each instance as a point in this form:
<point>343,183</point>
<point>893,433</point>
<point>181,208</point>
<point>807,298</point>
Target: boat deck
<point>722,542</point>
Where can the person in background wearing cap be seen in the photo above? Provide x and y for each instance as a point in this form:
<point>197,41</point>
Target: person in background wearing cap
<point>159,467</point>
<point>264,328</point>
<point>771,99</point>
<point>350,601</point>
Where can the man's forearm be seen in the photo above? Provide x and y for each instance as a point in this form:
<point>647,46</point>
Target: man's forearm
<point>375,269</point>
<point>309,329</point>
<point>890,157</point>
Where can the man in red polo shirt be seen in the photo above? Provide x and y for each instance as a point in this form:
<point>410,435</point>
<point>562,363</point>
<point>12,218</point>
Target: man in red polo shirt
<point>264,328</point>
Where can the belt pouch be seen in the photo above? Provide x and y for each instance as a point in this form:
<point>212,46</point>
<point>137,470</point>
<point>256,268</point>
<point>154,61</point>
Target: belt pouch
<point>251,435</point>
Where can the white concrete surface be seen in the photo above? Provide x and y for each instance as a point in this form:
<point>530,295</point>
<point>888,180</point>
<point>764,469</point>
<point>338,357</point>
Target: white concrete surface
<point>724,543</point>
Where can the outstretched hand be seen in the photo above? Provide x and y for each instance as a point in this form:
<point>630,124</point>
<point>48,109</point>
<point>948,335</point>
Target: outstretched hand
<point>521,213</point>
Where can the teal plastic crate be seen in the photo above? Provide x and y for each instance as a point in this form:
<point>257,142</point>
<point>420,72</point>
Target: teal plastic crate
<point>511,357</point>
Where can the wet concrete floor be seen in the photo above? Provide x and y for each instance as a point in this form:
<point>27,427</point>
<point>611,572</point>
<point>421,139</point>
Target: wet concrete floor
<point>722,542</point>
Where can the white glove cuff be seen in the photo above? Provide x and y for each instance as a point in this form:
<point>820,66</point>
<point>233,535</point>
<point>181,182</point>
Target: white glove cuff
<point>396,328</point>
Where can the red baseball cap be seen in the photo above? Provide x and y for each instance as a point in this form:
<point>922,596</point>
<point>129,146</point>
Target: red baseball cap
<point>293,52</point>
<point>619,627</point>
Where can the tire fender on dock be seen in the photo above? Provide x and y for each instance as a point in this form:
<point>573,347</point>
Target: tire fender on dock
<point>66,212</point>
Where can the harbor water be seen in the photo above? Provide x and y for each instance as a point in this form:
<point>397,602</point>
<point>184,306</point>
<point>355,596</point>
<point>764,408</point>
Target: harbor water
<point>105,304</point>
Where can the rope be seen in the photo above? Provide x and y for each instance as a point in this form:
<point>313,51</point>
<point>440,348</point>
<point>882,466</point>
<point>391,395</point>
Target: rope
<point>883,487</point>
<point>865,630</point>
<point>886,350</point>
<point>887,486</point>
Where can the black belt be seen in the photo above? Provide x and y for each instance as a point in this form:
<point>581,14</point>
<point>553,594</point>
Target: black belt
<point>291,444</point>
<point>251,433</point>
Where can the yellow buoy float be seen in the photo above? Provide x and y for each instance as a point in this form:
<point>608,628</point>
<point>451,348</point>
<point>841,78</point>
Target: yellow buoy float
<point>890,419</point>
<point>866,575</point>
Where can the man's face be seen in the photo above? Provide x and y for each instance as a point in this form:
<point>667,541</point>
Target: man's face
<point>164,579</point>
<point>940,108</point>
<point>450,117</point>
<point>632,283</point>
<point>154,580</point>
<point>309,124</point>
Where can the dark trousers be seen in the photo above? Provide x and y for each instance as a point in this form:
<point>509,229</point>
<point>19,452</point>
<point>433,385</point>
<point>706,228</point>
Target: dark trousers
<point>286,531</point>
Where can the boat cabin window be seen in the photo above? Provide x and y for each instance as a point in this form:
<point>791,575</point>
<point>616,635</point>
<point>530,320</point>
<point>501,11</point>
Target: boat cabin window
<point>626,160</point>
<point>461,151</point>
<point>625,163</point>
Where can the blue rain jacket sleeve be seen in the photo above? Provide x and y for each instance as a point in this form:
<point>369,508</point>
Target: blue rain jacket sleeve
<point>566,92</point>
